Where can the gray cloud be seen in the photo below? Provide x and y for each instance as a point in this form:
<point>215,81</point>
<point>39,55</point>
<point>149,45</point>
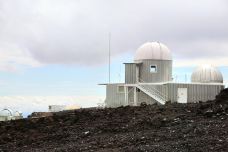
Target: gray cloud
<point>76,31</point>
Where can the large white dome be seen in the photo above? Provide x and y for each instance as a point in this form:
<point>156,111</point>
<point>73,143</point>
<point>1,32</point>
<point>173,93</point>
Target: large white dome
<point>207,74</point>
<point>154,51</point>
<point>6,112</point>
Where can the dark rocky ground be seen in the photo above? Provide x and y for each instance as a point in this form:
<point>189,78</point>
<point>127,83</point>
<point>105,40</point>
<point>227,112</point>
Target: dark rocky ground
<point>173,127</point>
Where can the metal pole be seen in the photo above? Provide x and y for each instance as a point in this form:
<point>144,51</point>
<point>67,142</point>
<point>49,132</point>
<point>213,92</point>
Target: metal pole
<point>135,96</point>
<point>109,59</point>
<point>126,95</point>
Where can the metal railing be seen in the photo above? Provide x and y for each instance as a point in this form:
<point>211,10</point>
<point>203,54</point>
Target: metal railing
<point>157,95</point>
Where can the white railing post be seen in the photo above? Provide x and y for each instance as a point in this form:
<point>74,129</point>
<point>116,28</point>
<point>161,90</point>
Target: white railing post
<point>126,95</point>
<point>135,96</point>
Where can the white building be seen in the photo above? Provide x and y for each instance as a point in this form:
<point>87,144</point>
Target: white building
<point>7,114</point>
<point>149,79</point>
<point>58,108</point>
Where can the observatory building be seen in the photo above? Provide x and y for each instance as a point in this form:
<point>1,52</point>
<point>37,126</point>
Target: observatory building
<point>149,80</point>
<point>8,114</point>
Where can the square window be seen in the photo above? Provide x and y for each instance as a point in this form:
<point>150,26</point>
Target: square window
<point>120,89</point>
<point>153,69</point>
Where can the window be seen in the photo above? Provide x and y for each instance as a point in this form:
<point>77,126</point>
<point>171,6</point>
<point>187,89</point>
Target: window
<point>153,68</point>
<point>120,89</point>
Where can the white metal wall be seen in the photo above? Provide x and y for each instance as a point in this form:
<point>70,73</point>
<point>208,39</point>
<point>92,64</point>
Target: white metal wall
<point>113,98</point>
<point>163,74</point>
<point>130,73</point>
<point>196,92</point>
<point>144,98</point>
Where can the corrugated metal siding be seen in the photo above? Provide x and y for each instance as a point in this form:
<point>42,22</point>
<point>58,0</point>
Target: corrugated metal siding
<point>130,73</point>
<point>144,98</point>
<point>131,96</point>
<point>113,98</point>
<point>163,89</point>
<point>196,92</point>
<point>164,71</point>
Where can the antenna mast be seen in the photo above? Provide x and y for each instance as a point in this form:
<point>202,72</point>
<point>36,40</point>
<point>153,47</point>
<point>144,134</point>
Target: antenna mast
<point>109,58</point>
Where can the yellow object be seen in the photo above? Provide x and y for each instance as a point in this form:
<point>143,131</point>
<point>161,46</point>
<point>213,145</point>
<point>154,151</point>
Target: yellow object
<point>72,107</point>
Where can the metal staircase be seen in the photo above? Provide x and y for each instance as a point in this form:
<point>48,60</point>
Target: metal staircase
<point>151,91</point>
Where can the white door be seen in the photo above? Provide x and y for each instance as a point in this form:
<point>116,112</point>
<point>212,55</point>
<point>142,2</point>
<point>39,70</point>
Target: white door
<point>182,95</point>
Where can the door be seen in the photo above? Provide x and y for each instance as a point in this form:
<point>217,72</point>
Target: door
<point>182,95</point>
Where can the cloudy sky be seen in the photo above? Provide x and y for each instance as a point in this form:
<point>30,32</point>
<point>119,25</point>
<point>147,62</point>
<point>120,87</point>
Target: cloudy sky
<point>57,50</point>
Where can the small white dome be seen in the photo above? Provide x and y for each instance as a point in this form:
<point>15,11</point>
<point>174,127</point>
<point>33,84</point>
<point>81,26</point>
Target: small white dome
<point>207,74</point>
<point>154,51</point>
<point>18,113</point>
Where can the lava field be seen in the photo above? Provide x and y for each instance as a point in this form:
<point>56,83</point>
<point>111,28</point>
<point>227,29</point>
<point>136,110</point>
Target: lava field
<point>196,127</point>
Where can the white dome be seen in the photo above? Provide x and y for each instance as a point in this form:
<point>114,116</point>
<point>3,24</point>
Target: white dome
<point>18,113</point>
<point>207,74</point>
<point>153,50</point>
<point>6,112</point>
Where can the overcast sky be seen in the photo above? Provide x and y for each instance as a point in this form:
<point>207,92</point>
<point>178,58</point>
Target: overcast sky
<point>35,33</point>
<point>51,42</point>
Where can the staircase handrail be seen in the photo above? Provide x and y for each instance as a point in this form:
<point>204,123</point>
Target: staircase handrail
<point>151,88</point>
